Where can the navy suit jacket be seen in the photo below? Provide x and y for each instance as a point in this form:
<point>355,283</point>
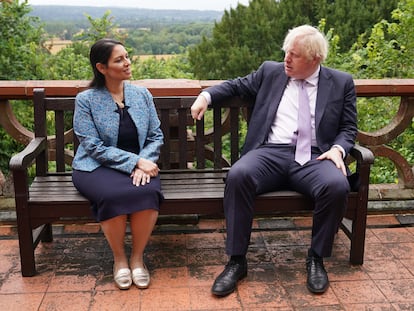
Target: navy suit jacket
<point>335,112</point>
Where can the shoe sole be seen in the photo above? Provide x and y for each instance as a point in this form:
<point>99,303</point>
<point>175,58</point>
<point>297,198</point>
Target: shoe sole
<point>318,291</point>
<point>222,294</point>
<point>123,287</point>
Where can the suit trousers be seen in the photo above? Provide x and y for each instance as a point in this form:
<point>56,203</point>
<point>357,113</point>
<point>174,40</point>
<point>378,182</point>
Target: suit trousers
<point>272,167</point>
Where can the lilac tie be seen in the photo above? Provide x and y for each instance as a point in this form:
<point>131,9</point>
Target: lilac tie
<point>303,143</point>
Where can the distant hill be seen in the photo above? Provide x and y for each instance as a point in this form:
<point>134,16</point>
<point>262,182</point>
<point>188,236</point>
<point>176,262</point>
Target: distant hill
<point>54,13</point>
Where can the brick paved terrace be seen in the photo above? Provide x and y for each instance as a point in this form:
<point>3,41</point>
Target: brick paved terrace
<point>75,270</point>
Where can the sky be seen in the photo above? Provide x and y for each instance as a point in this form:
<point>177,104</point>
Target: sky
<point>217,5</point>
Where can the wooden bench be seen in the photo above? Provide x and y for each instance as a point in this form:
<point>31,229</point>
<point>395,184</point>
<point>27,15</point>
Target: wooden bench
<point>192,171</point>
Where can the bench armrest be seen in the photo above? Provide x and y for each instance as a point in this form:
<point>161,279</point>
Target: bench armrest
<point>23,159</point>
<point>362,154</point>
<point>359,181</point>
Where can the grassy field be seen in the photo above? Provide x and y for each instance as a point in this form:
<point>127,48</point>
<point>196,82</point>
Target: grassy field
<point>55,45</point>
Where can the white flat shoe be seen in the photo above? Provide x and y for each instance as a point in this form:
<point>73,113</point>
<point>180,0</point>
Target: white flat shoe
<point>122,278</point>
<point>141,277</point>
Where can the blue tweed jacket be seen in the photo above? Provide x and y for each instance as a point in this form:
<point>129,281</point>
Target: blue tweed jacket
<point>96,124</point>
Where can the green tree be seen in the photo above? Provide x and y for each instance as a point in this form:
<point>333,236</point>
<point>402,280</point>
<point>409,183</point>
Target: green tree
<point>70,63</point>
<point>350,18</point>
<point>242,39</point>
<point>248,35</point>
<point>151,68</point>
<point>386,50</point>
<point>100,28</point>
<point>22,54</point>
<point>21,58</point>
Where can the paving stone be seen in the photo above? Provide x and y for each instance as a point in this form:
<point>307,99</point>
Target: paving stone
<point>406,219</point>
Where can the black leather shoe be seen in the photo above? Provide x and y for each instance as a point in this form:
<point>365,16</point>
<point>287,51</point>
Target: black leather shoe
<point>317,281</point>
<point>226,282</point>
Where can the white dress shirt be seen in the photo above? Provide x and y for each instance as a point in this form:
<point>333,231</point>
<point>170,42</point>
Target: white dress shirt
<point>285,125</point>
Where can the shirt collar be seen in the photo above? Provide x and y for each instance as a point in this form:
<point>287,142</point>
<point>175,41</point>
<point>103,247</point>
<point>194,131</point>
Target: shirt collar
<point>313,78</point>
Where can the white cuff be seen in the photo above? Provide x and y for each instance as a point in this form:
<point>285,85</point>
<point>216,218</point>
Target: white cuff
<point>340,149</point>
<point>207,96</point>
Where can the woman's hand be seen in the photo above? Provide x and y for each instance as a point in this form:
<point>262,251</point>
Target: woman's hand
<point>148,167</point>
<point>139,177</point>
<point>144,170</point>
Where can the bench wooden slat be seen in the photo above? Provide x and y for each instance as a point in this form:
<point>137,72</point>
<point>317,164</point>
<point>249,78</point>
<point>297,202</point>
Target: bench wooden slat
<point>54,190</point>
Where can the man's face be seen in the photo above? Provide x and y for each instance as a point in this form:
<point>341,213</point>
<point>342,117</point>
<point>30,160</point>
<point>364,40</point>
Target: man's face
<point>297,64</point>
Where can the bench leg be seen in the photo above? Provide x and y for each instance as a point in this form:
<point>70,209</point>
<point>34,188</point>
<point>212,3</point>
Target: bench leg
<point>28,240</point>
<point>24,228</point>
<point>358,236</point>
<point>357,246</point>
<point>27,248</point>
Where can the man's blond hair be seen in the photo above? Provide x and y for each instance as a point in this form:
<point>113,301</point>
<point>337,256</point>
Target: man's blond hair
<point>312,41</point>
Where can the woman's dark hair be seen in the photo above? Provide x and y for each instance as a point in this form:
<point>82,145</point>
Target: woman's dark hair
<point>100,53</point>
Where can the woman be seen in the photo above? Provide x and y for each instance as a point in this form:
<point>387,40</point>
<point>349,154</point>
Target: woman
<point>115,165</point>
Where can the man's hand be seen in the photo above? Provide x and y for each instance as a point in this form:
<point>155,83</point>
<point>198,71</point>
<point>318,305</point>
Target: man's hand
<point>199,107</point>
<point>335,155</point>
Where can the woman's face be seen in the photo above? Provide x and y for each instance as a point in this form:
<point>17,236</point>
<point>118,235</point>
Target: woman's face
<point>118,67</point>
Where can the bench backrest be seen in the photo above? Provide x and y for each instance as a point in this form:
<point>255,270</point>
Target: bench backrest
<point>212,142</point>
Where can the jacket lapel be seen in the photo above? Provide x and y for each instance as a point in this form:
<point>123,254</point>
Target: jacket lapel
<point>281,79</point>
<point>105,110</point>
<point>324,88</point>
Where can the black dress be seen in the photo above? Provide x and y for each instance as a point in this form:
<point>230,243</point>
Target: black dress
<point>110,191</point>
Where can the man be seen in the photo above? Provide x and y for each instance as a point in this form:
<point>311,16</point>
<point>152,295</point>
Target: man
<point>270,158</point>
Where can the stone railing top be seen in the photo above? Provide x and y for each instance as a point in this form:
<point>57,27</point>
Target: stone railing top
<point>184,87</point>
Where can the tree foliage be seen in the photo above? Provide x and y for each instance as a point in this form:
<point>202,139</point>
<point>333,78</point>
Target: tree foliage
<point>248,35</point>
<point>350,18</point>
<point>387,49</point>
<point>103,27</point>
<point>243,38</point>
<point>21,53</point>
<point>170,39</point>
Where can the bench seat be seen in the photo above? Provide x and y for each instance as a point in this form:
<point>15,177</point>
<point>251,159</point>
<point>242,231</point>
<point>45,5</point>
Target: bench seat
<point>195,192</point>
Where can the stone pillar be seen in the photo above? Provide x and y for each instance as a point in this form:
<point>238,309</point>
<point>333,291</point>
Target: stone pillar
<point>6,186</point>
<point>2,182</point>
